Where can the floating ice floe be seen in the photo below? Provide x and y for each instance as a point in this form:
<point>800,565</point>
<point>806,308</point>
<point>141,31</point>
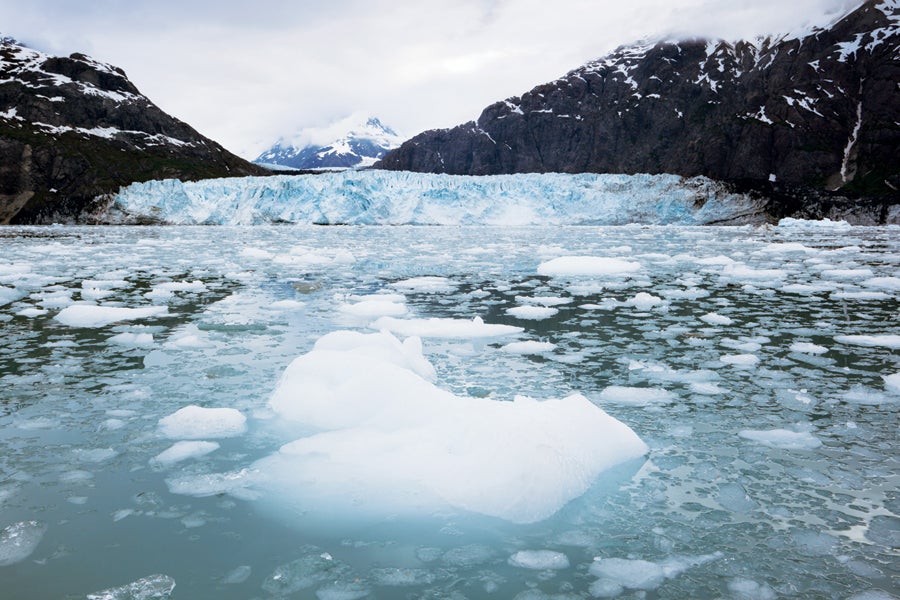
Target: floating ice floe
<point>539,560</point>
<point>532,313</point>
<point>183,450</point>
<point>808,348</point>
<point>90,315</point>
<point>528,347</point>
<point>892,382</point>
<point>784,439</point>
<point>153,587</point>
<point>638,396</point>
<point>391,441</point>
<point>374,308</point>
<point>19,540</point>
<point>445,328</point>
<point>197,423</point>
<point>428,285</point>
<point>791,223</point>
<point>132,339</point>
<point>716,319</point>
<point>618,574</point>
<point>164,291</point>
<point>587,265</point>
<point>873,341</point>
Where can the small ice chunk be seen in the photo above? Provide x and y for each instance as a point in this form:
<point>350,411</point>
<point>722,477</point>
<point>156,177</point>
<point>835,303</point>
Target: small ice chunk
<point>747,589</point>
<point>782,438</point>
<point>89,315</point>
<point>885,283</point>
<point>286,305</point>
<point>374,308</point>
<point>183,450</point>
<point>740,360</point>
<point>154,587</point>
<point>132,339</point>
<point>644,301</point>
<point>892,382</point>
<point>19,540</point>
<point>706,388</point>
<point>808,348</point>
<point>587,265</point>
<point>428,285</point>
<point>237,575</point>
<point>716,319</point>
<point>197,423</point>
<point>539,560</point>
<point>445,328</point>
<point>528,347</point>
<point>164,291</point>
<point>532,313</point>
<point>303,573</point>
<point>638,396</point>
<point>544,300</point>
<point>873,341</point>
<point>31,312</point>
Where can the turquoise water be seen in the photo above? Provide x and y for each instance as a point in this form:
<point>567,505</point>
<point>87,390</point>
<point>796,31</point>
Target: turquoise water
<point>773,464</point>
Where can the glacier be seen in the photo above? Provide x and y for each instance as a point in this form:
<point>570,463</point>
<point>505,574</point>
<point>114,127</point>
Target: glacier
<point>404,198</point>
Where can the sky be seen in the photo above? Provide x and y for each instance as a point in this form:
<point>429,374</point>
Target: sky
<point>246,74</point>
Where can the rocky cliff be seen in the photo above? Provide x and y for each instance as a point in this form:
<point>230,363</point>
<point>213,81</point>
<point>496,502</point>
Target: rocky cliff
<point>810,120</point>
<point>72,129</point>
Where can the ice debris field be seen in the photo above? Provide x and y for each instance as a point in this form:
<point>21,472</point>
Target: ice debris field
<point>428,412</point>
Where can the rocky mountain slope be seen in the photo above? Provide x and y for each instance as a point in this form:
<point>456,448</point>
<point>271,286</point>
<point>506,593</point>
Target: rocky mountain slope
<point>357,145</point>
<point>72,129</point>
<point>810,120</point>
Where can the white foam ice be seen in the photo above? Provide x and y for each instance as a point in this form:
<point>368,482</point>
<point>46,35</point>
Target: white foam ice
<point>784,439</point>
<point>198,423</point>
<point>445,328</point>
<point>19,540</point>
<point>599,266</point>
<point>184,450</point>
<point>520,460</point>
<point>91,315</point>
<point>532,313</point>
<point>539,560</point>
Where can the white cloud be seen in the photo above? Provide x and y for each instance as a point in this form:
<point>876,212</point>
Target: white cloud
<point>246,74</point>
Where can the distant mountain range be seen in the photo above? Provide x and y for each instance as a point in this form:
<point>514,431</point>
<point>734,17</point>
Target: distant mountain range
<point>73,129</point>
<point>347,144</point>
<point>809,119</point>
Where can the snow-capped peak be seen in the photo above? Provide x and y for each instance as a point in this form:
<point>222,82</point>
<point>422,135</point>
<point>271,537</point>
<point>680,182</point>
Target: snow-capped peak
<point>352,142</point>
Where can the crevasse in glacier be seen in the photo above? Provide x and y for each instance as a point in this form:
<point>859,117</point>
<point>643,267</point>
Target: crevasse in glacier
<point>403,198</point>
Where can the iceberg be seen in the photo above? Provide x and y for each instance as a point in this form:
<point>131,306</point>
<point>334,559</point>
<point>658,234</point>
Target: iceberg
<point>380,438</point>
<point>403,198</point>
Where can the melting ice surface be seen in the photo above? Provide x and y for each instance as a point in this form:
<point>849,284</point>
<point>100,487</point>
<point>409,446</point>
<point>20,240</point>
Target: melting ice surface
<point>301,412</point>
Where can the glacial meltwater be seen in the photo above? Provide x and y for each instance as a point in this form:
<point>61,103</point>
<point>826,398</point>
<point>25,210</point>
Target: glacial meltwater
<point>450,412</point>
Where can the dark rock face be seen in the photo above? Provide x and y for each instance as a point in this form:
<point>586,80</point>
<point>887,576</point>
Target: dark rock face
<point>815,113</point>
<point>73,129</point>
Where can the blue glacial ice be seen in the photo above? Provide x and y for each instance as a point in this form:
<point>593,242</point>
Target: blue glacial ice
<point>398,198</point>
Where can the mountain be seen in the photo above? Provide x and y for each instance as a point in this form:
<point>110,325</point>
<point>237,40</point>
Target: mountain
<point>809,119</point>
<point>350,143</point>
<point>73,129</point>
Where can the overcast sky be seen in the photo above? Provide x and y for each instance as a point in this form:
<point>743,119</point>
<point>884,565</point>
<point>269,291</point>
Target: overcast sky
<point>247,73</point>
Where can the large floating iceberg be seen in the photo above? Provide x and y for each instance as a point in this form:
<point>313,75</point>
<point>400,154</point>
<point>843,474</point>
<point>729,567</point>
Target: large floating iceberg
<point>402,198</point>
<point>381,437</point>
